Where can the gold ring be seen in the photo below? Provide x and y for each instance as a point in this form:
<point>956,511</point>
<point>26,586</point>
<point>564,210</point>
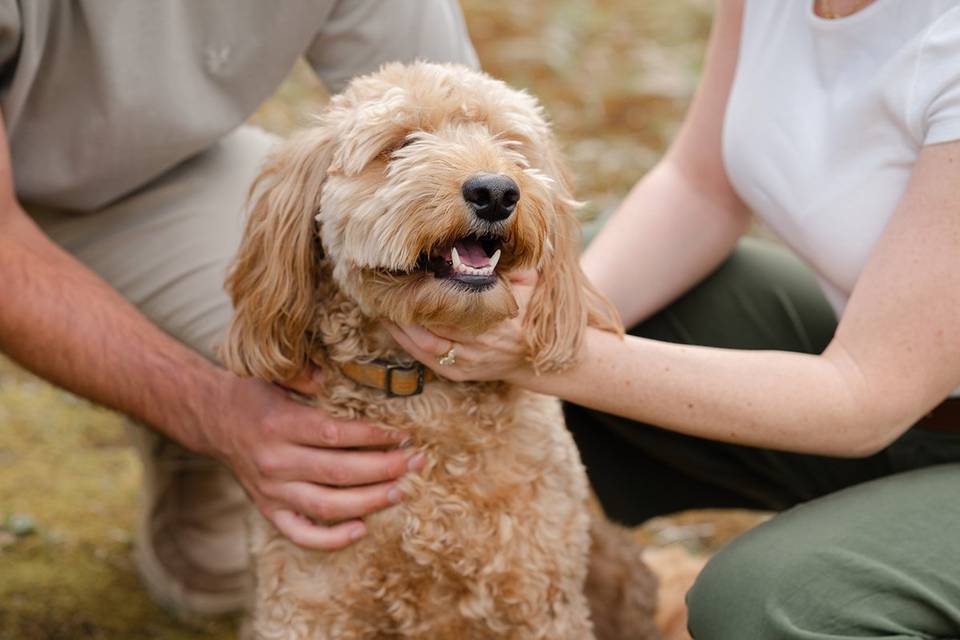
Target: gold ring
<point>449,358</point>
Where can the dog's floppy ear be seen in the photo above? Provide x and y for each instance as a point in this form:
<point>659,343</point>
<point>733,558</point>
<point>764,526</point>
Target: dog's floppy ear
<point>273,280</point>
<point>564,303</point>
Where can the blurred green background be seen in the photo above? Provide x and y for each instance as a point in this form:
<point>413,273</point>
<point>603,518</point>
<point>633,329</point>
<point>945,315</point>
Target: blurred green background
<point>615,77</point>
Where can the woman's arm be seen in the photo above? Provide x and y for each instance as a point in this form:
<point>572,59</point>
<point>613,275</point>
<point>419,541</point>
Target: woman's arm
<point>896,353</point>
<point>683,218</point>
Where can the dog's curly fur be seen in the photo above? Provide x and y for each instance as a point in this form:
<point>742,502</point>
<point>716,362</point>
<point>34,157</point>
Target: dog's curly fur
<point>492,538</point>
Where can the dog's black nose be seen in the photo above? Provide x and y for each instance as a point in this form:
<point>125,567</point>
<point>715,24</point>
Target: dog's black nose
<point>492,196</point>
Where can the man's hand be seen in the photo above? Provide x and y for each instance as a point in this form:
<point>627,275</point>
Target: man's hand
<point>60,320</point>
<point>297,465</point>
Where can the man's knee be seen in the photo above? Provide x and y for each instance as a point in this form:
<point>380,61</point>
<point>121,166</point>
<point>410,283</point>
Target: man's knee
<point>191,543</point>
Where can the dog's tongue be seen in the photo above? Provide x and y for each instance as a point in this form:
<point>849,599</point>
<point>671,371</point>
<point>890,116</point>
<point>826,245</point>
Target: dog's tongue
<point>471,253</point>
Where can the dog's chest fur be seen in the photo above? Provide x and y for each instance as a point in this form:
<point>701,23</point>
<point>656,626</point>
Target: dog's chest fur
<point>471,552</point>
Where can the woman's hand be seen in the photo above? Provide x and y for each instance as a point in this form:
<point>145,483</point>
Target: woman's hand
<point>497,354</point>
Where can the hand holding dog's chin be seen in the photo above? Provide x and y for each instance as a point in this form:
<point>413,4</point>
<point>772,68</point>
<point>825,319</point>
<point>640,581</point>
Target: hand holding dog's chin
<point>497,354</point>
<point>294,463</point>
<point>500,353</point>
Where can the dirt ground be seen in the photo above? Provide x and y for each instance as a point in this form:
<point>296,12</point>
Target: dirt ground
<point>615,76</point>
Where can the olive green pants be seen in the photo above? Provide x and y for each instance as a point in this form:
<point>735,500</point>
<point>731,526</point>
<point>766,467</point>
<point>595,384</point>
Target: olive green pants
<point>865,548</point>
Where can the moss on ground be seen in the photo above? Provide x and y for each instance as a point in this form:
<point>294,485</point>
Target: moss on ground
<point>68,485</point>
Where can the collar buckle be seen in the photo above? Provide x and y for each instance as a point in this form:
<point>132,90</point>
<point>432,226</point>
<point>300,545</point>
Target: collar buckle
<point>390,367</point>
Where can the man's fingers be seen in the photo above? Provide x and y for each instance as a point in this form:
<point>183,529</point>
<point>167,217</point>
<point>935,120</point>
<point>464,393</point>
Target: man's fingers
<point>310,426</point>
<point>305,533</point>
<point>319,430</point>
<point>307,382</point>
<point>334,505</point>
<point>340,468</point>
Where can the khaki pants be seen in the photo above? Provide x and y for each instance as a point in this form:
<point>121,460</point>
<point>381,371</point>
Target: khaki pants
<point>166,249</point>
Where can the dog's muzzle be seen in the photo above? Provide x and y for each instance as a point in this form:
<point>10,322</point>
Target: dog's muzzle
<point>470,261</point>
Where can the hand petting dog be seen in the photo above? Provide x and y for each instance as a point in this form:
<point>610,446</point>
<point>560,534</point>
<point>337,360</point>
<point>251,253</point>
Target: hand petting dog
<point>499,353</point>
<point>296,464</point>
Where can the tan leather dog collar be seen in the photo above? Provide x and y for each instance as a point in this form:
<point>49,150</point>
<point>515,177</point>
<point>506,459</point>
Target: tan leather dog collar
<point>396,380</point>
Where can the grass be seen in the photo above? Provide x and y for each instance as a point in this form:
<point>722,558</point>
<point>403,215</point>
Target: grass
<point>68,487</point>
<point>615,77</point>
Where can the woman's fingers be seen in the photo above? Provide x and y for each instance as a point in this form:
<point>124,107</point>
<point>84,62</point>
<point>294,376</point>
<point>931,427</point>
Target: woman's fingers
<point>527,277</point>
<point>421,342</point>
<point>304,533</point>
<point>455,335</point>
<point>493,355</point>
<point>409,344</point>
<point>449,371</point>
<point>428,341</point>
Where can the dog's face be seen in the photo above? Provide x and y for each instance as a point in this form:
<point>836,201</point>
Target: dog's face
<point>426,185</point>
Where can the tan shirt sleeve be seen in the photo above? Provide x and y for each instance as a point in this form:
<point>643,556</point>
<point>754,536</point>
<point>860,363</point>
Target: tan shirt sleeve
<point>9,33</point>
<point>361,35</point>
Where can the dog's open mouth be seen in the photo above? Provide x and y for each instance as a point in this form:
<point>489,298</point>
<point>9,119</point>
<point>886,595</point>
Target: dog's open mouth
<point>470,261</point>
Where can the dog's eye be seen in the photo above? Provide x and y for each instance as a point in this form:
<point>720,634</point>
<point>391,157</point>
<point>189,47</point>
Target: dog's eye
<point>393,148</point>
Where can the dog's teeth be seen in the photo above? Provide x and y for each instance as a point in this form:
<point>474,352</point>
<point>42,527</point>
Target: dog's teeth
<point>455,256</point>
<point>494,259</point>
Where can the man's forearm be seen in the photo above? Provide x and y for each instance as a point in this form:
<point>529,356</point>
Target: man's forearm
<point>60,320</point>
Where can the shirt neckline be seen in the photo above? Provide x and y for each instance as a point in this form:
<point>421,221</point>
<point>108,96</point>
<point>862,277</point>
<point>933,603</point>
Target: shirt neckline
<point>840,23</point>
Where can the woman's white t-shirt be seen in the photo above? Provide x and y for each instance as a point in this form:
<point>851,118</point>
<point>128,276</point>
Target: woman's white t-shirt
<point>826,119</point>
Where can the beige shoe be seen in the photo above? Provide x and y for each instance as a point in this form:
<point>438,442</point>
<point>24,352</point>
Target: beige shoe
<point>191,541</point>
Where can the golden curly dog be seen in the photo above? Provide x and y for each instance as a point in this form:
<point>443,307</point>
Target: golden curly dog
<point>417,190</point>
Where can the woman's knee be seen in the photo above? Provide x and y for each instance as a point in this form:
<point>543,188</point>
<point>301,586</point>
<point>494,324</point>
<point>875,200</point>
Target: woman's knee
<point>766,584</point>
<point>870,557</point>
<point>732,593</point>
